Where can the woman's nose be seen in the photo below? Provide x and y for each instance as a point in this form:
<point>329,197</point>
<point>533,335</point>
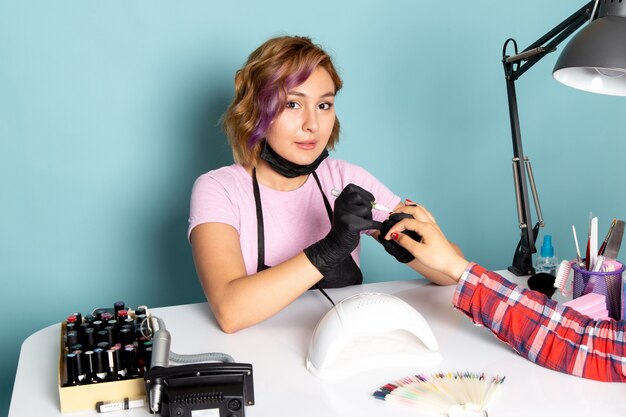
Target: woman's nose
<point>310,123</point>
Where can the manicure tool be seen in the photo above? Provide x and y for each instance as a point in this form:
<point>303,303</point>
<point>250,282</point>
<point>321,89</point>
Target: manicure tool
<point>615,240</point>
<point>375,205</point>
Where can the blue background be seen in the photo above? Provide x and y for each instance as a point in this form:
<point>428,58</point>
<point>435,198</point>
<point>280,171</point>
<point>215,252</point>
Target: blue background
<point>109,111</point>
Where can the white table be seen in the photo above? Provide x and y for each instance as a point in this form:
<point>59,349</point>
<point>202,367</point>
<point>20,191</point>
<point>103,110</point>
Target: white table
<point>277,348</point>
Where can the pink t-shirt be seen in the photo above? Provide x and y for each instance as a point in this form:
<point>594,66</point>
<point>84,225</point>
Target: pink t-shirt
<point>292,220</point>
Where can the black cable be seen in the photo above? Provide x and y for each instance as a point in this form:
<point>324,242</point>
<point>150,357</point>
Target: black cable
<point>325,295</point>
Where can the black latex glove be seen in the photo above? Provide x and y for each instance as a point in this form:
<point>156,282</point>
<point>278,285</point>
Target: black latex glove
<point>352,214</point>
<point>391,246</point>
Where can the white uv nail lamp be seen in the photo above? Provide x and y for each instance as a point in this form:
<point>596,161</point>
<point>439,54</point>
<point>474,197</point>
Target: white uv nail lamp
<point>368,331</point>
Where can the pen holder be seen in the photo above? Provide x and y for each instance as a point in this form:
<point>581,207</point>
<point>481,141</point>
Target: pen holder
<point>603,283</point>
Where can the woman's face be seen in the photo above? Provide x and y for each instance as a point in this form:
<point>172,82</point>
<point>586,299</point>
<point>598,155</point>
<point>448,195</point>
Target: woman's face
<point>302,130</point>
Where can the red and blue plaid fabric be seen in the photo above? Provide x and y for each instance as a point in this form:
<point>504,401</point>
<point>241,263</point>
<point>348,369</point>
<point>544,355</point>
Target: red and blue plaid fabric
<point>542,330</point>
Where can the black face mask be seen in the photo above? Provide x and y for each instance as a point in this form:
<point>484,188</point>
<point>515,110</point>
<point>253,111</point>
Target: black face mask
<point>287,168</point>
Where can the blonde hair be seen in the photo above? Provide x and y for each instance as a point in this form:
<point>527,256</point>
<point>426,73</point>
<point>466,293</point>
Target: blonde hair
<point>261,87</point>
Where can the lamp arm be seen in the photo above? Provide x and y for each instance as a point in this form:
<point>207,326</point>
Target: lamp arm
<point>533,189</point>
<point>513,69</point>
<point>548,42</point>
<point>586,11</point>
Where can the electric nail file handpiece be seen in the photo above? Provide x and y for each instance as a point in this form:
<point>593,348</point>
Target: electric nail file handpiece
<point>161,342</point>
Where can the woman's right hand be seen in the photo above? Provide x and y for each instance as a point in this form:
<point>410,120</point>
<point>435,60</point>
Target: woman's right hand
<point>352,215</point>
<point>434,250</point>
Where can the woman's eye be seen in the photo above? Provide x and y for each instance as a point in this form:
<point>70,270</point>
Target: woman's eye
<point>325,106</point>
<point>292,105</point>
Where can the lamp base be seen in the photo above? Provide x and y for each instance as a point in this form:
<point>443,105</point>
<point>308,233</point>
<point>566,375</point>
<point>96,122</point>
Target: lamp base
<point>519,272</point>
<point>523,258</point>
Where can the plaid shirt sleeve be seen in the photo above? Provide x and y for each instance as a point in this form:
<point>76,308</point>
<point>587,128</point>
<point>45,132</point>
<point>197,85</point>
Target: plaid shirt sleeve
<point>542,330</point>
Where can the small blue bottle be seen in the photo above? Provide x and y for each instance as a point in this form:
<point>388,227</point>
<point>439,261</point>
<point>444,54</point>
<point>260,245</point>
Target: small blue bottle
<point>547,262</point>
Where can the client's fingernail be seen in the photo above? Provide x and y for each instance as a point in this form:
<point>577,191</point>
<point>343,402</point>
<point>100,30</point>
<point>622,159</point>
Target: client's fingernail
<point>406,199</point>
<point>394,236</point>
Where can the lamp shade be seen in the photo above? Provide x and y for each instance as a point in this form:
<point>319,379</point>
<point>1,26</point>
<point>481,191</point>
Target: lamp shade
<point>595,59</point>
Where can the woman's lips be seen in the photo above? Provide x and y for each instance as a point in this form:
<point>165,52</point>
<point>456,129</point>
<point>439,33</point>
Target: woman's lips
<point>309,145</point>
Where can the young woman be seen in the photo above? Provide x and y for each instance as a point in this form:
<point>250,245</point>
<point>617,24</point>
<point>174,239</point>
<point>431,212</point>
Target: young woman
<point>538,328</point>
<point>268,228</point>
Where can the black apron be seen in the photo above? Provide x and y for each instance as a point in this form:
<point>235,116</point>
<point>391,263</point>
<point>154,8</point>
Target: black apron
<point>346,273</point>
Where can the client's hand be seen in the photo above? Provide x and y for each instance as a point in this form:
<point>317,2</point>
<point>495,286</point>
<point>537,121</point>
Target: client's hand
<point>352,214</point>
<point>434,250</point>
<point>391,246</point>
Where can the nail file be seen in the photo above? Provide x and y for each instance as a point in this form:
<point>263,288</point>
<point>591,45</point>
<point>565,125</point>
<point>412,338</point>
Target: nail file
<point>593,244</point>
<point>615,240</point>
<point>606,238</point>
<point>578,258</point>
<point>587,251</point>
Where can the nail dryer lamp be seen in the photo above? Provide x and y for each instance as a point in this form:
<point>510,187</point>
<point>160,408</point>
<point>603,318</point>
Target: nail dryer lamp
<point>367,331</point>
